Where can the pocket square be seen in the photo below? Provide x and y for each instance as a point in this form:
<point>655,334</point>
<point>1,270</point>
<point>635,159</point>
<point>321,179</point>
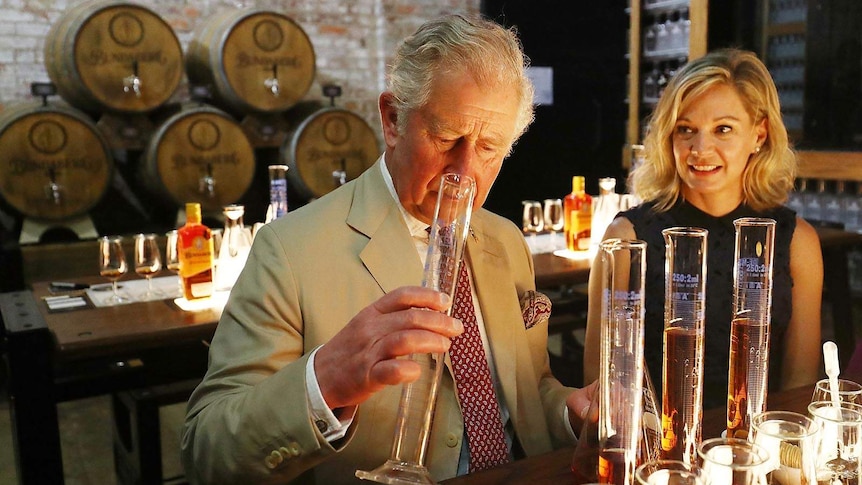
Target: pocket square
<point>535,308</point>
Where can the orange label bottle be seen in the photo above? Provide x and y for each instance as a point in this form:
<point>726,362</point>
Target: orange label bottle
<point>195,244</point>
<point>578,207</point>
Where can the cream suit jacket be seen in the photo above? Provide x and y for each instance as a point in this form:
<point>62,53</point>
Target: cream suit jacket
<point>307,275</point>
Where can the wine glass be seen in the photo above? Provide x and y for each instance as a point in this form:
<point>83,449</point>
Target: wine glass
<point>848,391</point>
<point>172,257</point>
<point>533,220</point>
<point>112,265</point>
<point>554,219</point>
<point>148,262</point>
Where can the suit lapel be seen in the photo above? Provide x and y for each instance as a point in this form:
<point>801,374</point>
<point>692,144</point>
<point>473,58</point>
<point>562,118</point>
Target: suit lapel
<point>390,254</point>
<point>492,278</point>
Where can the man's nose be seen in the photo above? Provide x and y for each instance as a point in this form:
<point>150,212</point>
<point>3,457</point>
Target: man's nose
<point>462,159</point>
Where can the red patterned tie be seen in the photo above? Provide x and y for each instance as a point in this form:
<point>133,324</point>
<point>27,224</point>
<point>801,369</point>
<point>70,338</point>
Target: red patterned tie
<point>485,435</point>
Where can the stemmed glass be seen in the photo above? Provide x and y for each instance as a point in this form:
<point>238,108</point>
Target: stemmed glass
<point>112,265</point>
<point>554,219</point>
<point>172,257</point>
<point>148,262</point>
<point>533,220</point>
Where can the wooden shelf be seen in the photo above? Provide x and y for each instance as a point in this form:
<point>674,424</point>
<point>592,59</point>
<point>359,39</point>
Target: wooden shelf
<point>789,28</point>
<point>830,165</point>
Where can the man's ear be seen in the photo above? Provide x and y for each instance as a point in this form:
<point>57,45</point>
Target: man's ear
<point>388,117</point>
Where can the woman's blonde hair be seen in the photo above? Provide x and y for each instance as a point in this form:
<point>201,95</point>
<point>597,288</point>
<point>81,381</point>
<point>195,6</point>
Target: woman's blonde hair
<point>490,53</point>
<point>769,174</point>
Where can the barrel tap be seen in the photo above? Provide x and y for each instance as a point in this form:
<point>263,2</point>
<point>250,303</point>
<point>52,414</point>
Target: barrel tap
<point>340,176</point>
<point>53,190</point>
<point>207,183</point>
<point>272,82</point>
<point>133,82</point>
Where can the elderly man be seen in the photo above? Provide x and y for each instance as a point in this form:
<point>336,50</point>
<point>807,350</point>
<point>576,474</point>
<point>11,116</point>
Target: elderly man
<point>305,369</point>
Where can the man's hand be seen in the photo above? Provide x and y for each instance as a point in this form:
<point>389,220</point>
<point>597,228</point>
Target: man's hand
<point>363,357</point>
<point>578,403</point>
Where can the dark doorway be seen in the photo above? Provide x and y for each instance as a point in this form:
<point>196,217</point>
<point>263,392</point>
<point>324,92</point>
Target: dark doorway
<point>582,132</point>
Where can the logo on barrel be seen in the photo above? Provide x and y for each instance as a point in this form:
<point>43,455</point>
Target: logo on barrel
<point>268,35</point>
<point>126,29</point>
<point>47,137</point>
<point>204,135</point>
<point>336,130</point>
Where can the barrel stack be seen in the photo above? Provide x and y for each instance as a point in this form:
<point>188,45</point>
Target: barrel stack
<point>123,152</point>
<point>258,64</point>
<point>117,61</point>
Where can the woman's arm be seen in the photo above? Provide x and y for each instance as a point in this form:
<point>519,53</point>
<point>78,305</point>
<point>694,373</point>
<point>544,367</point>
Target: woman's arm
<point>801,360</point>
<point>619,228</point>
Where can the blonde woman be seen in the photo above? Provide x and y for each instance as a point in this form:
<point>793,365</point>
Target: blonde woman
<point>717,150</point>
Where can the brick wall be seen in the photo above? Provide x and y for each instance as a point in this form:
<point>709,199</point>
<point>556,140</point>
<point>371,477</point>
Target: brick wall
<point>352,39</point>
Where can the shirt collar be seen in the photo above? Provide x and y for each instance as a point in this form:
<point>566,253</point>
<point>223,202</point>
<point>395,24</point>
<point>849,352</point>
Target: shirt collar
<point>417,228</point>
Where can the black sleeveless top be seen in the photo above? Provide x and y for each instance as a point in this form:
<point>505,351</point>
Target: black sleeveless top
<point>648,225</point>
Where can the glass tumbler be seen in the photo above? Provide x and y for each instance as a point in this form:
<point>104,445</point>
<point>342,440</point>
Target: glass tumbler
<point>668,472</point>
<point>838,448</point>
<point>732,461</point>
<point>790,440</point>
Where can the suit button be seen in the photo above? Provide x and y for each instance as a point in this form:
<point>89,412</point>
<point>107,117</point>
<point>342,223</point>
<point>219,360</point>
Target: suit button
<point>285,453</point>
<point>294,449</point>
<point>452,440</point>
<point>272,460</point>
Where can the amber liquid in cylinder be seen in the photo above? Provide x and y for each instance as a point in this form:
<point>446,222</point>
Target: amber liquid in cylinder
<point>681,382</point>
<point>612,466</point>
<point>746,372</point>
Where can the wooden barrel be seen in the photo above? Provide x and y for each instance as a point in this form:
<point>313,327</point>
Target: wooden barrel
<point>255,60</point>
<point>199,154</point>
<point>54,163</point>
<point>99,50</point>
<point>324,142</point>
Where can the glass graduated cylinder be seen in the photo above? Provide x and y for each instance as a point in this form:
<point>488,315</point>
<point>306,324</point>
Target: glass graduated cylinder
<point>685,302</point>
<point>748,366</point>
<point>446,245</point>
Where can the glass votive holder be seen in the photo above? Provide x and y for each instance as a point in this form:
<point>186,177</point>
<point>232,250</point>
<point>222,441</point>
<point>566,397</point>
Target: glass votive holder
<point>668,472</point>
<point>790,439</point>
<point>848,391</point>
<point>734,461</point>
<point>838,448</point>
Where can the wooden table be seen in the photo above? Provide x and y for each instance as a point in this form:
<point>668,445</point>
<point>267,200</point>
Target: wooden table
<point>60,356</point>
<point>552,271</point>
<point>554,467</point>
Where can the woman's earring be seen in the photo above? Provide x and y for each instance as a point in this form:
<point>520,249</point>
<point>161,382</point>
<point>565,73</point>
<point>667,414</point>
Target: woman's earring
<point>757,149</point>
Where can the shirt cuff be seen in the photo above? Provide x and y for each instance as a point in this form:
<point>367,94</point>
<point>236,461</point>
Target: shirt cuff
<point>331,427</point>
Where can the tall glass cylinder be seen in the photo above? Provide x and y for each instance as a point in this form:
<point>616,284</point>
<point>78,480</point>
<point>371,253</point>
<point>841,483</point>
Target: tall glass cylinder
<point>684,306</point>
<point>749,333</point>
<point>277,192</point>
<point>448,238</point>
<point>621,375</point>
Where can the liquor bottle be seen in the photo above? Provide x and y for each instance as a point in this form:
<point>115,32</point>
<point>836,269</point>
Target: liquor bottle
<point>277,192</point>
<point>196,255</point>
<point>578,207</point>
